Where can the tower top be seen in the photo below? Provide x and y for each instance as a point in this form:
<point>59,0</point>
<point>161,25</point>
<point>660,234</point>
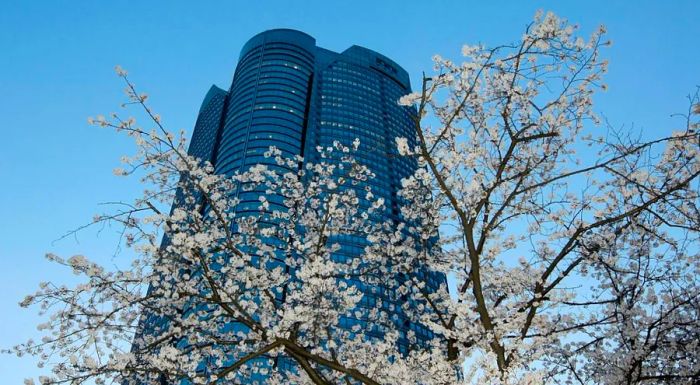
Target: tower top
<point>307,43</point>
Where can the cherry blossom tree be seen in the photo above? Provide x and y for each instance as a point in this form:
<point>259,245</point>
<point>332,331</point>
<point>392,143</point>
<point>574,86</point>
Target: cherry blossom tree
<point>572,246</point>
<point>575,251</point>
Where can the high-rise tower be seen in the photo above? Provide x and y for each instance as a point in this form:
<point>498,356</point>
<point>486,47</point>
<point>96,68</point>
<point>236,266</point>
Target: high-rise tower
<point>295,96</point>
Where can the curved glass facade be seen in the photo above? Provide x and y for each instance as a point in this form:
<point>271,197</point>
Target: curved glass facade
<point>291,94</point>
<point>355,96</point>
<point>205,134</point>
<point>267,104</point>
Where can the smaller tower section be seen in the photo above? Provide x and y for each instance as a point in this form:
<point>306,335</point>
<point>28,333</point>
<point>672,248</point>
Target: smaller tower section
<point>208,126</point>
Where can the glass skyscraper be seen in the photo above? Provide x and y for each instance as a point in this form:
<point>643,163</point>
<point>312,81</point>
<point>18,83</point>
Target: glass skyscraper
<point>289,93</point>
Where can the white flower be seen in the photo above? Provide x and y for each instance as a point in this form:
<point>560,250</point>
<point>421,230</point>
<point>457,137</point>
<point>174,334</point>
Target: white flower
<point>409,99</point>
<point>696,108</point>
<point>119,70</point>
<point>118,171</point>
<point>402,146</point>
<point>469,50</point>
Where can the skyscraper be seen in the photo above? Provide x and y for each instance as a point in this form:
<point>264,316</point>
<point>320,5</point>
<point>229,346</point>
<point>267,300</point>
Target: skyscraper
<point>293,95</point>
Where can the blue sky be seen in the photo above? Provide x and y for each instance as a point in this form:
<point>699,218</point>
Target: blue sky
<point>56,69</point>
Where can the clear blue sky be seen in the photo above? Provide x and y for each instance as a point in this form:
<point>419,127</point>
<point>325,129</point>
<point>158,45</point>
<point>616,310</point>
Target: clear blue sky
<point>56,68</point>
